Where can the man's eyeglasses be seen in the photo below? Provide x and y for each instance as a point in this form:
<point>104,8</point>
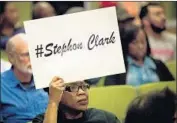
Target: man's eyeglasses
<point>75,88</point>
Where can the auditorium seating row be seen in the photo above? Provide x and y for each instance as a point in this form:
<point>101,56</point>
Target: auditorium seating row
<point>116,99</point>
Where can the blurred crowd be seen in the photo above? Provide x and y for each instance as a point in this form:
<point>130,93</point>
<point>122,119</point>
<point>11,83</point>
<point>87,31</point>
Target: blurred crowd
<point>146,46</point>
<point>161,45</point>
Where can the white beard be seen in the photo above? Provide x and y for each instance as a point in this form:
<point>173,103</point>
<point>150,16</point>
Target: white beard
<point>25,69</point>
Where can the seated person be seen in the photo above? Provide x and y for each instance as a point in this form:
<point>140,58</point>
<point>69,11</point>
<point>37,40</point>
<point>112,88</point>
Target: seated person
<point>43,9</point>
<point>20,101</point>
<point>162,42</point>
<point>9,26</point>
<point>156,107</point>
<point>140,67</point>
<point>68,104</point>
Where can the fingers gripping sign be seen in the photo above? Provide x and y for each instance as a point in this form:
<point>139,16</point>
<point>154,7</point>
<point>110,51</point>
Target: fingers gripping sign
<point>56,88</point>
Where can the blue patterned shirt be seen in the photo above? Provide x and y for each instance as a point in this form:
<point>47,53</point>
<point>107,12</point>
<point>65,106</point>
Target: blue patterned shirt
<point>138,75</point>
<point>19,104</point>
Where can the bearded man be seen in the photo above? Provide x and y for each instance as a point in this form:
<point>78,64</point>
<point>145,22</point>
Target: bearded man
<point>20,101</point>
<point>162,43</point>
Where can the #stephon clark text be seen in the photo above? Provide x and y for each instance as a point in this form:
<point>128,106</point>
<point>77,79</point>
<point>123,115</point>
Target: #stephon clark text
<point>94,41</point>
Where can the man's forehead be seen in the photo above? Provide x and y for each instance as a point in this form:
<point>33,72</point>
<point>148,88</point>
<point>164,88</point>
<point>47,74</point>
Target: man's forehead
<point>155,8</point>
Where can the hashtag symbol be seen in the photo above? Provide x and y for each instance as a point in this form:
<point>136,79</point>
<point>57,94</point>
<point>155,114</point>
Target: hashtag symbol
<point>39,50</point>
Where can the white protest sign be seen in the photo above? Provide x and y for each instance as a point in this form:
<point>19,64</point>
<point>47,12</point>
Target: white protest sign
<point>75,46</point>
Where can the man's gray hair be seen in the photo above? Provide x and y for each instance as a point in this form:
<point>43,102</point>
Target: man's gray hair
<point>10,46</point>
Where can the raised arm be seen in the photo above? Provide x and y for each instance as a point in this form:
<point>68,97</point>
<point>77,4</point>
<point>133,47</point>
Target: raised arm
<point>55,94</point>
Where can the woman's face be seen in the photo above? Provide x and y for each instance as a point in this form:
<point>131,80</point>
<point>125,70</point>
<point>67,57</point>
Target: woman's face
<point>138,47</point>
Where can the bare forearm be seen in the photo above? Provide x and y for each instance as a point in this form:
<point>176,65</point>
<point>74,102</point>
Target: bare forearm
<point>51,113</point>
<point>56,89</point>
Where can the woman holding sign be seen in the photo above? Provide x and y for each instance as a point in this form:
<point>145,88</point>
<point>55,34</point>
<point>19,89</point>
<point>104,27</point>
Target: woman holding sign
<point>140,66</point>
<point>68,103</point>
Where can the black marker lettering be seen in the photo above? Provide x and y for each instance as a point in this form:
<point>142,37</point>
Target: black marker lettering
<point>91,41</point>
<point>55,48</point>
<point>112,38</point>
<point>48,49</point>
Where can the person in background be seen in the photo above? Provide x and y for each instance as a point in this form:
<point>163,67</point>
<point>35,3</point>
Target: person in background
<point>5,65</point>
<point>68,104</point>
<point>20,100</point>
<point>74,10</point>
<point>133,9</point>
<point>123,17</point>
<point>9,26</point>
<point>43,9</point>
<point>124,20</point>
<point>154,107</point>
<point>162,43</point>
<point>140,67</point>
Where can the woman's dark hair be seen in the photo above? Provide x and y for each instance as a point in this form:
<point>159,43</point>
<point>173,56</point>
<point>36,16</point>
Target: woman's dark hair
<point>127,35</point>
<point>154,107</point>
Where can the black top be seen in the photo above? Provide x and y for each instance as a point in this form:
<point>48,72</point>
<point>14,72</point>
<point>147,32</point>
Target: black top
<point>91,115</point>
<point>161,70</point>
